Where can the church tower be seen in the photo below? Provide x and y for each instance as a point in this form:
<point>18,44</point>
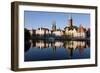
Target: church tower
<point>70,21</point>
<point>54,25</point>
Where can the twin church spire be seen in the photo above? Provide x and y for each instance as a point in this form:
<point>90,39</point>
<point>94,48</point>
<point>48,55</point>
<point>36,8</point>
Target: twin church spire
<point>70,23</point>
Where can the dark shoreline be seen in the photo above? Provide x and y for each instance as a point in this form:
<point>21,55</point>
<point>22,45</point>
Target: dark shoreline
<point>61,39</point>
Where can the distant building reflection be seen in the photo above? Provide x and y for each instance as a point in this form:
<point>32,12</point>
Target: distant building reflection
<point>68,45</point>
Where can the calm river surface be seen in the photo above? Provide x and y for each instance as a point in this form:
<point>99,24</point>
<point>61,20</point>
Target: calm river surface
<point>58,50</point>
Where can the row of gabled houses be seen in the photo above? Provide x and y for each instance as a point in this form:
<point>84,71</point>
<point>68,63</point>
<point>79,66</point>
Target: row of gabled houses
<point>70,30</point>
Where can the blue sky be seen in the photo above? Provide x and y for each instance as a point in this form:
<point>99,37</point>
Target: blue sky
<point>36,19</point>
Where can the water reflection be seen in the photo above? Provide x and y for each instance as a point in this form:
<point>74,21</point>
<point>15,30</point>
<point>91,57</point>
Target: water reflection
<point>57,44</point>
<point>56,50</point>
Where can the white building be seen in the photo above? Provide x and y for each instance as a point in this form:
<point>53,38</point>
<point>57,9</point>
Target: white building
<point>72,32</point>
<point>42,31</point>
<point>80,32</point>
<point>58,32</point>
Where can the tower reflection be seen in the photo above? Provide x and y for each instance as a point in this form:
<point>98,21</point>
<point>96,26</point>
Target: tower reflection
<point>69,46</point>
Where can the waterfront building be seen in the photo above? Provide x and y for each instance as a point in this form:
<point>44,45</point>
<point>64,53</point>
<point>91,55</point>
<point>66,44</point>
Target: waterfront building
<point>70,30</point>
<point>42,31</point>
<point>74,31</point>
<point>55,31</point>
<point>32,32</point>
<point>81,32</point>
<point>58,32</point>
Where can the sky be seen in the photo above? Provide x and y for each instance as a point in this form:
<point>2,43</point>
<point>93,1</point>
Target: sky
<point>38,19</point>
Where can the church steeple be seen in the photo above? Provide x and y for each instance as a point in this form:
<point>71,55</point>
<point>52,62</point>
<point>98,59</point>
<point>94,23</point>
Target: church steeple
<point>54,25</point>
<point>70,21</point>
